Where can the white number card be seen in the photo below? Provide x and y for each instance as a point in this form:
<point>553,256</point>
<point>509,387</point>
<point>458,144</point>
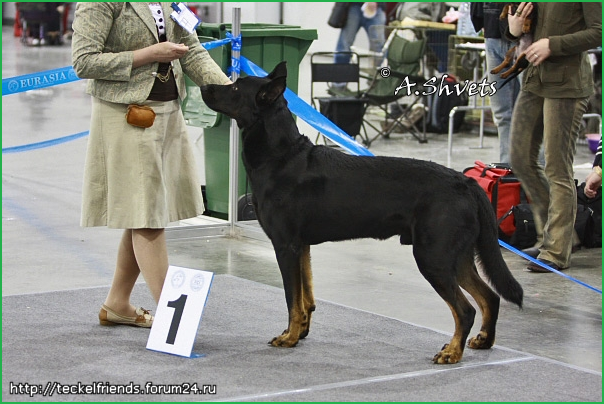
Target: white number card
<point>179,310</point>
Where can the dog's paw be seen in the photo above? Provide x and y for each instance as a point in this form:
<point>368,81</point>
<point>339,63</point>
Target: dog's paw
<point>481,341</point>
<point>447,356</point>
<point>285,340</point>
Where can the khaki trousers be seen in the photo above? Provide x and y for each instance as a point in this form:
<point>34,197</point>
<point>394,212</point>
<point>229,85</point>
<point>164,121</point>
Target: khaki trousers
<point>555,123</point>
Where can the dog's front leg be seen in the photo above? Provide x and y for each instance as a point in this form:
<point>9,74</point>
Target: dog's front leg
<point>307,292</point>
<point>289,260</point>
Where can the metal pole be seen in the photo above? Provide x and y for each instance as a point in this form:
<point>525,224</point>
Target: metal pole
<point>234,136</point>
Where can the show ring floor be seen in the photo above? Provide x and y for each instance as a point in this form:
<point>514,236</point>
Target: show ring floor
<point>50,339</point>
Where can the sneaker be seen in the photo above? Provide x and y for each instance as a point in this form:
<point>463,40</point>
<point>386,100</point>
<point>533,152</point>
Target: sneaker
<point>532,267</point>
<point>416,113</point>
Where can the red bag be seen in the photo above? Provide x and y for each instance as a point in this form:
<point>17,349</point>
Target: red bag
<point>502,188</point>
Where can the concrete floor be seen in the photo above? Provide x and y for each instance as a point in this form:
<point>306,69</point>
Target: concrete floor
<point>44,249</point>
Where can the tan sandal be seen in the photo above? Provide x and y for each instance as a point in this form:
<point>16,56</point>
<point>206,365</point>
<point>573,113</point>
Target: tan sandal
<point>110,317</point>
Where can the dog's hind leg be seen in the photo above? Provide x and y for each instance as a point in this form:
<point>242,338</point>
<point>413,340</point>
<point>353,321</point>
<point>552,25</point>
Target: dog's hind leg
<point>439,271</point>
<point>487,300</point>
<point>520,64</point>
<point>289,258</point>
<point>509,56</point>
<point>308,297</point>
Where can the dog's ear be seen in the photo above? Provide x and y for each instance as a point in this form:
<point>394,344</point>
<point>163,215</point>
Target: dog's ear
<point>270,91</point>
<point>279,70</point>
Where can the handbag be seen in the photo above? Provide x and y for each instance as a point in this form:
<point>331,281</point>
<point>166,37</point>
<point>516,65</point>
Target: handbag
<point>140,116</point>
<point>502,188</point>
<point>339,15</point>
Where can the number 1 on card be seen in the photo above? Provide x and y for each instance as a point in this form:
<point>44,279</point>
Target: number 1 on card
<point>179,310</point>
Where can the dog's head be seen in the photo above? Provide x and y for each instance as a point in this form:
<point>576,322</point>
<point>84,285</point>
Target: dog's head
<point>247,97</point>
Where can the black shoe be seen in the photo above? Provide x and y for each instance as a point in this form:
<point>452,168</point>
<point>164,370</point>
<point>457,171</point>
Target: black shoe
<point>532,252</point>
<point>532,267</point>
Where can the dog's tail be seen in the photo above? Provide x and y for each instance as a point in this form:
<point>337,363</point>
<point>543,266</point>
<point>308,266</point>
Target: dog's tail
<point>489,254</point>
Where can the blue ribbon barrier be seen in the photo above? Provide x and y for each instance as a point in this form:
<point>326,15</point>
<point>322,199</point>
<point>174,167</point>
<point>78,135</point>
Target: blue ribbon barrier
<point>39,80</point>
<point>541,264</point>
<point>46,143</point>
<point>310,115</point>
<point>216,44</point>
<point>235,46</point>
<point>63,75</point>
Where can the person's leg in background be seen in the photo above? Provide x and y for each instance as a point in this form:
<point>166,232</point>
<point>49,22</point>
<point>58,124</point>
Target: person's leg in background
<point>526,137</point>
<point>348,34</point>
<point>562,123</point>
<point>504,99</point>
<point>375,32</point>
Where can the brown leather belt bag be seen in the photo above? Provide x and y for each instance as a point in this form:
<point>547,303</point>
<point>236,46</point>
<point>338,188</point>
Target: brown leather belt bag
<point>141,116</point>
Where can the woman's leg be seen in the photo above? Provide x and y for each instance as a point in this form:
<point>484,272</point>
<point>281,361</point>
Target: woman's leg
<point>140,251</point>
<point>152,257</point>
<point>124,278</point>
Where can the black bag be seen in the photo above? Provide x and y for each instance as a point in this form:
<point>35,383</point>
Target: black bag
<point>339,15</point>
<point>525,235</point>
<point>588,223</point>
<point>440,106</point>
<point>345,112</point>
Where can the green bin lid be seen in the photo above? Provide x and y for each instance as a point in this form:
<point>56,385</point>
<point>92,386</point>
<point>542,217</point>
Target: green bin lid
<point>217,31</point>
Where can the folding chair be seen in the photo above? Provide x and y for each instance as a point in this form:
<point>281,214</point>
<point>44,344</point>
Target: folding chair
<point>398,89</point>
<point>344,107</point>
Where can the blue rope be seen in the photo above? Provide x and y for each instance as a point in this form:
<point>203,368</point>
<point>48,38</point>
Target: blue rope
<point>46,143</point>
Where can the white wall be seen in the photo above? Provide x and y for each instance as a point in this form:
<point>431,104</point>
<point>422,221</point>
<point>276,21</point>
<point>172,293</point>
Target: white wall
<point>253,12</point>
<point>315,15</point>
<point>9,11</point>
<point>310,15</point>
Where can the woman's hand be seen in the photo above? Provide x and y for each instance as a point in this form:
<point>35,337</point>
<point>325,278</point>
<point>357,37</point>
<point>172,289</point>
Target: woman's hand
<point>516,20</point>
<point>539,51</point>
<point>592,183</point>
<point>163,52</point>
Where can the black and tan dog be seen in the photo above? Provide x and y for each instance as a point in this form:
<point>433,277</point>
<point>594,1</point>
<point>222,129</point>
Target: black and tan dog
<point>516,56</point>
<point>306,194</point>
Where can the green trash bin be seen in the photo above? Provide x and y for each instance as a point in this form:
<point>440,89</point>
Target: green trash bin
<point>266,45</point>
